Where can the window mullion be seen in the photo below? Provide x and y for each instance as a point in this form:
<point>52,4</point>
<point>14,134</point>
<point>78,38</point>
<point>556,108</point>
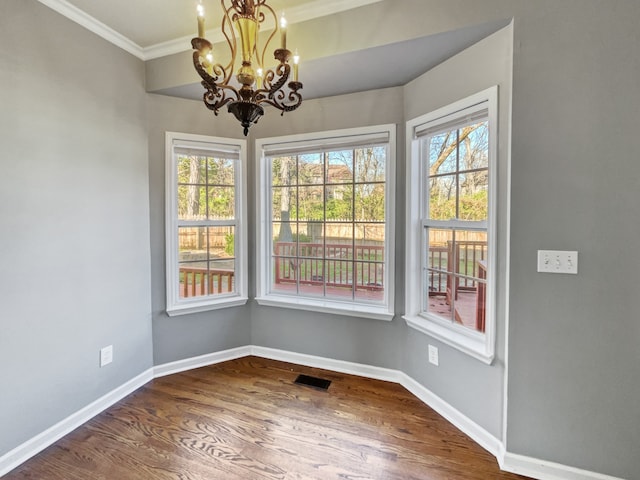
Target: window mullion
<point>354,256</point>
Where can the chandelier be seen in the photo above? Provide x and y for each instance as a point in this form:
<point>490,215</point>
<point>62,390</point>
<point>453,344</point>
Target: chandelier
<point>255,87</point>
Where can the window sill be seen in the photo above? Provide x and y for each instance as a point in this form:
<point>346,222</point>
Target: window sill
<point>200,306</point>
<point>327,306</point>
<point>472,345</point>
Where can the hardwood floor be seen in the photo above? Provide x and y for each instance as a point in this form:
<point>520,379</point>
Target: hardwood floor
<point>245,419</point>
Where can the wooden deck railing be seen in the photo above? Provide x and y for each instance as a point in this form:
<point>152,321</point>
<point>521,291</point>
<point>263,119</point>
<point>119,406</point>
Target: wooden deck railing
<point>196,281</point>
<point>464,261</point>
<point>333,265</point>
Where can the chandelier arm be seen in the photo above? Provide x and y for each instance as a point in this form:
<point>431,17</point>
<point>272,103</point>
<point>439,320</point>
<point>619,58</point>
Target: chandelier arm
<point>263,5</point>
<point>227,23</point>
<point>282,71</point>
<point>282,101</point>
<point>207,80</point>
<point>215,99</point>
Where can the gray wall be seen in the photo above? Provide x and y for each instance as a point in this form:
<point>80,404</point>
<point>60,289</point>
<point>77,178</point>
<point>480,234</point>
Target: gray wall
<point>574,360</point>
<point>184,336</point>
<point>74,219</point>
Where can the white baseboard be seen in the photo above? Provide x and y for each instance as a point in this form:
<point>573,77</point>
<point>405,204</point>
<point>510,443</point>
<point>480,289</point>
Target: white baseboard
<point>200,361</point>
<point>341,366</point>
<point>544,470</point>
<point>478,434</point>
<point>534,468</point>
<point>31,447</point>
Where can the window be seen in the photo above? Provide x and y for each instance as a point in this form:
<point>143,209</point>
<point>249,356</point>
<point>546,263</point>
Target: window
<point>451,224</point>
<point>206,241</point>
<point>325,239</point>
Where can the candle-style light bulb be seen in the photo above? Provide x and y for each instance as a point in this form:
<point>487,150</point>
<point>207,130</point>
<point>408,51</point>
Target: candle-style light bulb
<point>259,78</point>
<point>283,32</point>
<point>200,9</point>
<point>209,63</point>
<point>296,61</point>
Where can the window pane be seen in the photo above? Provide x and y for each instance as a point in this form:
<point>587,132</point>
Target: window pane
<point>369,240</point>
<point>191,169</point>
<point>206,261</point>
<point>443,153</point>
<point>311,169</point>
<point>192,245</point>
<point>283,198</point>
<point>339,205</point>
<point>474,198</point>
<point>470,306</point>
<point>220,242</point>
<point>221,277</point>
<point>285,274</point>
<point>280,201</point>
<point>284,171</point>
<point>440,302</point>
<point>471,249</point>
<point>474,146</point>
<point>310,242</point>
<point>310,203</point>
<point>192,204</point>
<point>222,203</point>
<point>311,275</point>
<point>438,260</point>
<point>455,275</point>
<point>442,197</point>
<point>370,164</point>
<point>369,202</point>
<point>220,171</point>
<point>340,167</point>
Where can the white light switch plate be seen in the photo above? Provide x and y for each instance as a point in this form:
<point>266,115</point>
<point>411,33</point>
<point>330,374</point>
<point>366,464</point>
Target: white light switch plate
<point>558,261</point>
<point>433,355</point>
<point>106,355</point>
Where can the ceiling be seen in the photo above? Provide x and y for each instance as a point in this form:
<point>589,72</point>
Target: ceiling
<point>154,28</point>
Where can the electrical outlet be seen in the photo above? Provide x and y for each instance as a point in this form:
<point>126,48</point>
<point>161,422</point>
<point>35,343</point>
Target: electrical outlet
<point>557,261</point>
<point>433,355</point>
<point>106,355</point>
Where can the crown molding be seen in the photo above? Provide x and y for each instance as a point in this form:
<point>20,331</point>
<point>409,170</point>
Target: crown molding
<point>315,9</point>
<point>78,16</point>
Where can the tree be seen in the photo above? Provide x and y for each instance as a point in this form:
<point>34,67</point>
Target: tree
<point>458,173</point>
<point>193,190</point>
<point>286,235</point>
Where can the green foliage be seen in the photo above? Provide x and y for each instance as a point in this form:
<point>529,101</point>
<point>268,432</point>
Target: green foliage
<point>472,207</point>
<point>229,244</point>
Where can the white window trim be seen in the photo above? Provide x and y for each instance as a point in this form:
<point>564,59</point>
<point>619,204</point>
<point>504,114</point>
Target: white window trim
<point>477,345</point>
<point>263,209</point>
<point>175,305</point>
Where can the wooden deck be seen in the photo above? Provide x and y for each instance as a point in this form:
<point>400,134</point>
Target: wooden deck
<point>465,308</point>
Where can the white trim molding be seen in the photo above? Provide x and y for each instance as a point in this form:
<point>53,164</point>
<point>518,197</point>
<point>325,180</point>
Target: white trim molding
<point>200,361</point>
<point>544,470</point>
<point>85,20</point>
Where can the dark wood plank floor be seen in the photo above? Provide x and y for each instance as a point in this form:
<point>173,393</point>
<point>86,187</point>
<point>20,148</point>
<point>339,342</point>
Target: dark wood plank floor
<point>246,419</point>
